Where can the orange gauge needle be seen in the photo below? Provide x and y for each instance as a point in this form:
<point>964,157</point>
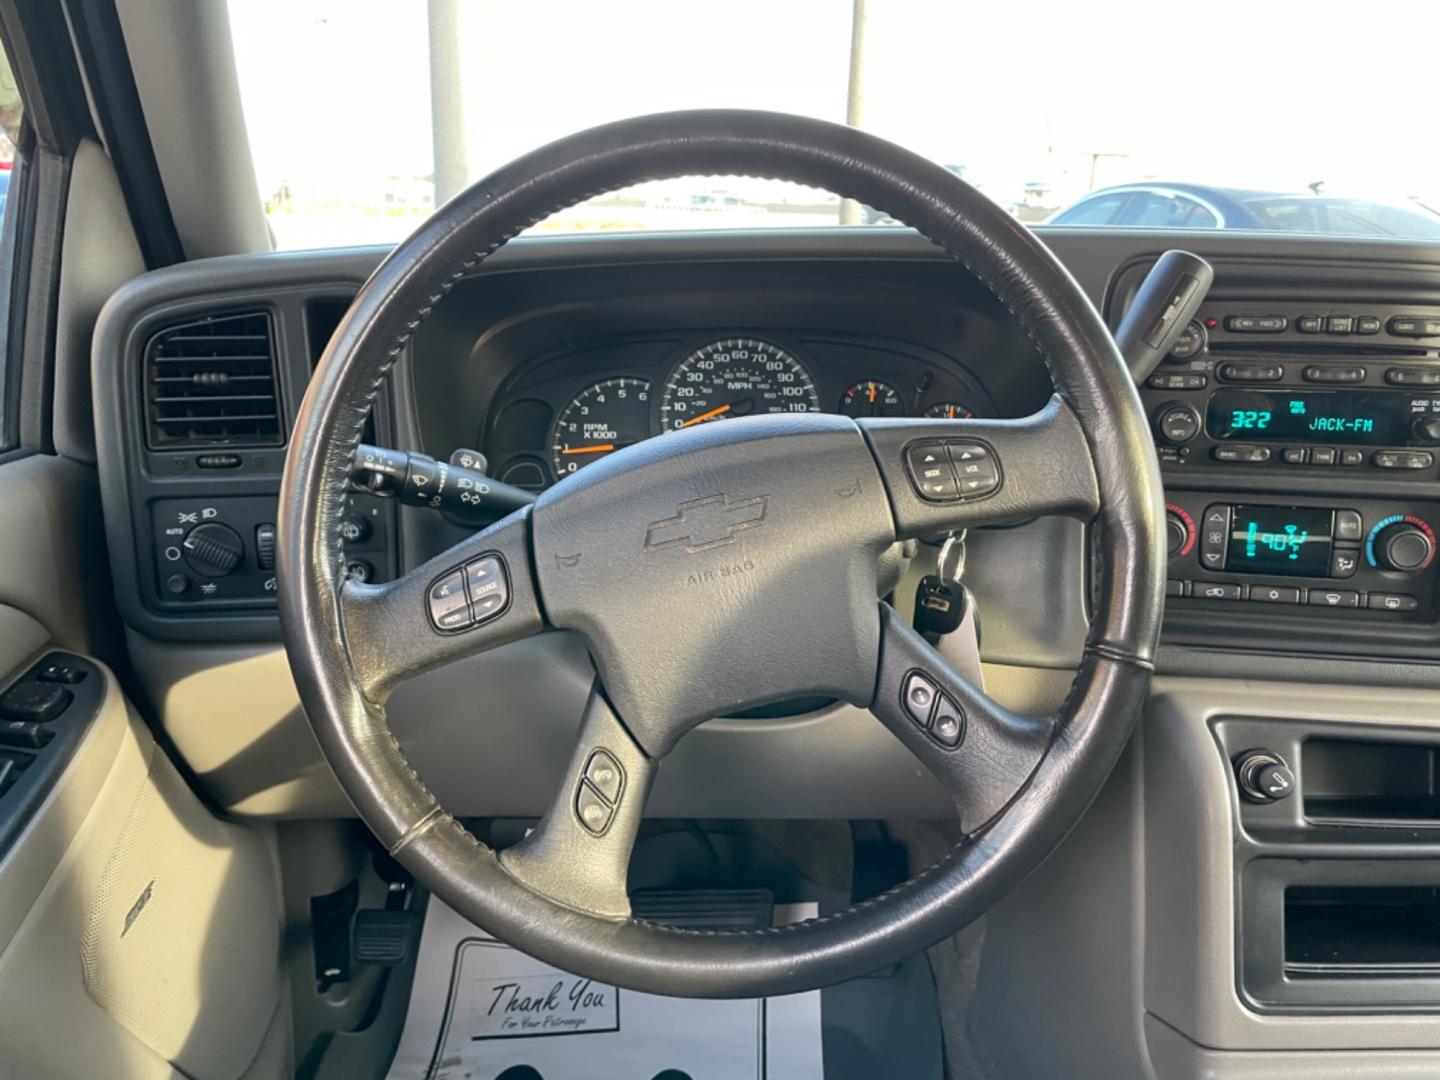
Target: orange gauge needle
<point>872,393</point>
<point>599,448</point>
<point>721,411</point>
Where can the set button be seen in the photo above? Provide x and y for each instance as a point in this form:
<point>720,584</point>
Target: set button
<point>952,470</point>
<point>473,594</point>
<point>932,710</point>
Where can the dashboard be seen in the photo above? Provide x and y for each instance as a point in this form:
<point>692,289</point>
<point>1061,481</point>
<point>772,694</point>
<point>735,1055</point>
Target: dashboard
<point>565,410</point>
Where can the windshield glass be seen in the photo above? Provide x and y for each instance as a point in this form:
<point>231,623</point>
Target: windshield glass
<point>365,114</point>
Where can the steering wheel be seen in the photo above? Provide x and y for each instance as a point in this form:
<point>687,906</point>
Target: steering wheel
<point>726,566</point>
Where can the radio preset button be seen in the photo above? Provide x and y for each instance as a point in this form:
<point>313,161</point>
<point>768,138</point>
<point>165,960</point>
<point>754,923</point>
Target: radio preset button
<point>1336,598</point>
<point>1252,372</point>
<point>1315,373</point>
<point>1399,376</point>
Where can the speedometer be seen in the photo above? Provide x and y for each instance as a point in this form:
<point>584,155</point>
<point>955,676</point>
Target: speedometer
<point>735,377</point>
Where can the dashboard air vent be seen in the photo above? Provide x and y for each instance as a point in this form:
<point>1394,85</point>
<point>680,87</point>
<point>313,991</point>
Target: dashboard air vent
<point>212,382</point>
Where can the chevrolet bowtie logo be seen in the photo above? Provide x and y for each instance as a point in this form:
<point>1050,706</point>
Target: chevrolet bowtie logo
<point>706,523</point>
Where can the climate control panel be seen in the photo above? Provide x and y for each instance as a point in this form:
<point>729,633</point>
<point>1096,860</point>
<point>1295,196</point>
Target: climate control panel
<point>1370,557</point>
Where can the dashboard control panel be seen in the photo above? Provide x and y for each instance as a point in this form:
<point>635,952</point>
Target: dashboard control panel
<point>1371,556</point>
<point>1290,388</point>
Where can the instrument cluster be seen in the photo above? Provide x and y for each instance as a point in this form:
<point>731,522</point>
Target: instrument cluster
<point>571,407</point>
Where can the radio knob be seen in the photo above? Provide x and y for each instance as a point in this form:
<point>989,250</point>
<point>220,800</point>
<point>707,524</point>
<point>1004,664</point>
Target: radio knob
<point>1404,547</point>
<point>212,549</point>
<point>1427,429</point>
<point>1177,422</point>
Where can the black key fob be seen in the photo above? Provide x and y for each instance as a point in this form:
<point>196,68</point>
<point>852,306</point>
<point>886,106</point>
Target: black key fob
<point>939,608</point>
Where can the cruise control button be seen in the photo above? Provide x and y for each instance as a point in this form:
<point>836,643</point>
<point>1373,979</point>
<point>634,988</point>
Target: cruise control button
<point>1349,525</point>
<point>918,697</point>
<point>1392,602</point>
<point>594,812</point>
<point>1334,598</point>
<point>930,472</point>
<point>1274,594</point>
<point>603,771</point>
<point>449,608</point>
<point>948,726</point>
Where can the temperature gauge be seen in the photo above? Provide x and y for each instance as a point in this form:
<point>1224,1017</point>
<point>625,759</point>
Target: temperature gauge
<point>948,410</point>
<point>872,398</point>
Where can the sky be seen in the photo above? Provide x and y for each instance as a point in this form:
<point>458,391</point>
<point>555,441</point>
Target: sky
<point>1262,94</point>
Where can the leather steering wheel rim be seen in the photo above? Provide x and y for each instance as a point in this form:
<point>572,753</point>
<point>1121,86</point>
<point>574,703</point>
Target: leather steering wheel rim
<point>349,643</point>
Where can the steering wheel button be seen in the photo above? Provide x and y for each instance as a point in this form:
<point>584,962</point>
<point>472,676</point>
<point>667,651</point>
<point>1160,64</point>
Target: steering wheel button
<point>593,811</point>
<point>484,576</point>
<point>918,697</point>
<point>449,607</point>
<point>930,472</point>
<point>948,726</point>
<point>604,772</point>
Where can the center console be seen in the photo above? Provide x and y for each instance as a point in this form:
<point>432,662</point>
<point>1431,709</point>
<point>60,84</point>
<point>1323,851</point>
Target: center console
<point>1299,443</point>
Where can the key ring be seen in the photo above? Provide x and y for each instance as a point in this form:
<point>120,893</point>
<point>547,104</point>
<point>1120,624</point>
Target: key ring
<point>951,558</point>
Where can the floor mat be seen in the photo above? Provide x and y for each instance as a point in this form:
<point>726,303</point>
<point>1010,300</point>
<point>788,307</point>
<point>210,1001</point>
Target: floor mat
<point>480,1010</point>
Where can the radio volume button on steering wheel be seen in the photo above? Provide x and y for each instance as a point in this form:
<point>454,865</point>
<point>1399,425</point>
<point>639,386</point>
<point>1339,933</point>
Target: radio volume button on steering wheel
<point>952,470</point>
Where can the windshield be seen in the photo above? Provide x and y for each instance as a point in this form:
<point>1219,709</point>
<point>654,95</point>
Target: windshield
<point>365,114</point>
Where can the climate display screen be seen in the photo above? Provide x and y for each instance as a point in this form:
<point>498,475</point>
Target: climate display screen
<point>1279,540</point>
<point>1373,418</point>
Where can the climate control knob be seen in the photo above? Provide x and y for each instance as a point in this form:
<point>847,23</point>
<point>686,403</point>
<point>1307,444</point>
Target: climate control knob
<point>1404,546</point>
<point>212,549</point>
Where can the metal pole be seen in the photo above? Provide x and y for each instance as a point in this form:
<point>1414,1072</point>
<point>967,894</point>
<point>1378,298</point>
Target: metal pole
<point>447,110</point>
<point>851,212</point>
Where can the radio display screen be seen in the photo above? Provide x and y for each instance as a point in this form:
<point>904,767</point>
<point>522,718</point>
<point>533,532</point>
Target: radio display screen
<point>1279,540</point>
<point>1373,418</point>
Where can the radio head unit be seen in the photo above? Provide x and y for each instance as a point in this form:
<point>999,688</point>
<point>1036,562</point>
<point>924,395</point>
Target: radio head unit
<point>1339,417</point>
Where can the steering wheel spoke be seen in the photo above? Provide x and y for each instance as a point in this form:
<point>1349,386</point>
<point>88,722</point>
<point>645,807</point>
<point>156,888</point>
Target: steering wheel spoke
<point>979,750</point>
<point>579,854</point>
<point>956,474</point>
<point>476,596</point>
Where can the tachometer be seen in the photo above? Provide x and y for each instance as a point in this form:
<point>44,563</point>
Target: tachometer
<point>872,398</point>
<point>735,377</point>
<point>600,420</point>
